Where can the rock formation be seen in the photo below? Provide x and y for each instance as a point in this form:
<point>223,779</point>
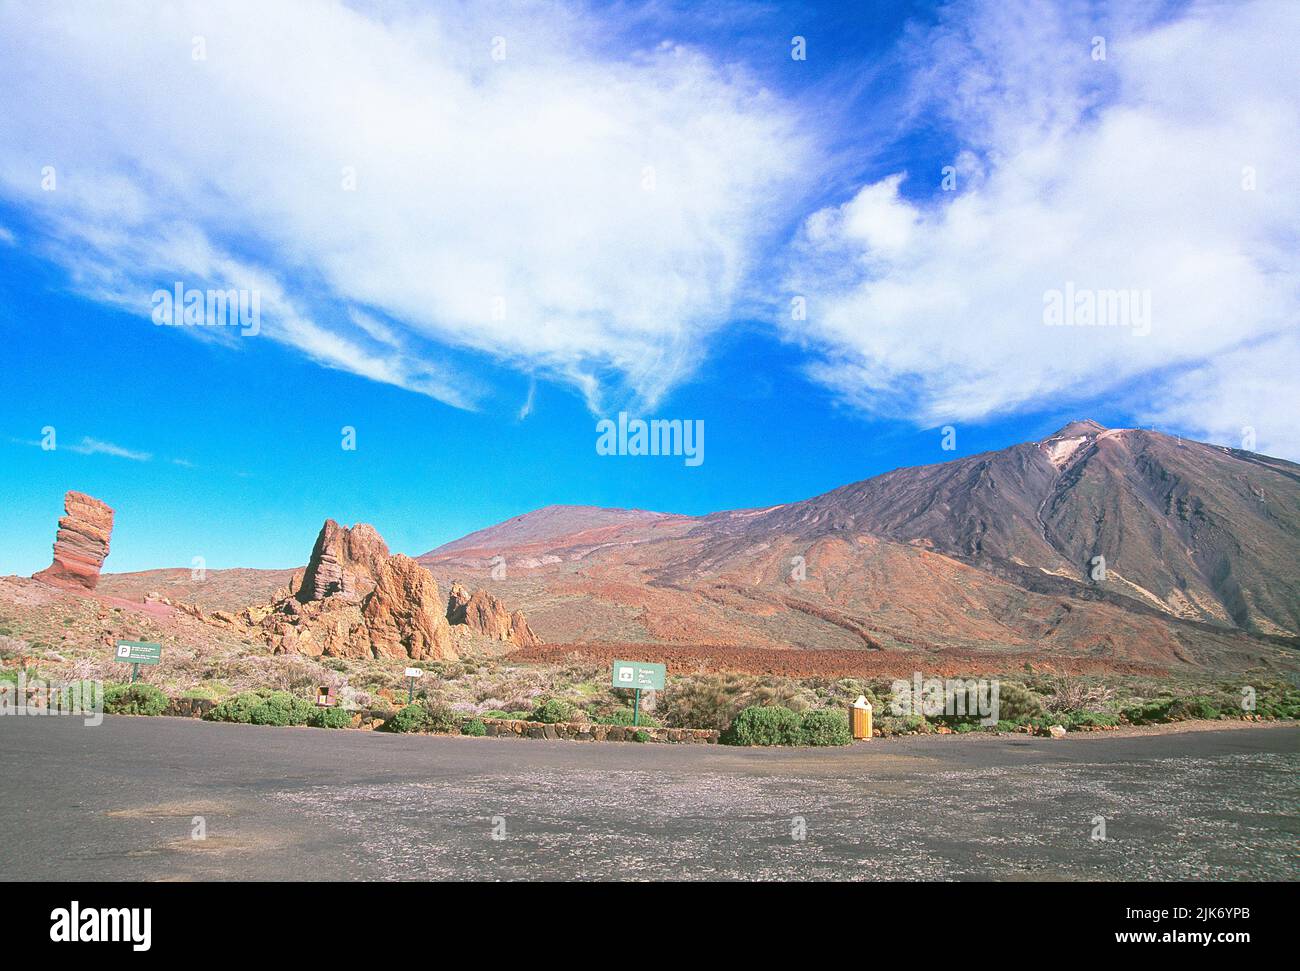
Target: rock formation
<point>343,561</point>
<point>81,544</point>
<point>457,601</point>
<point>355,600</point>
<point>404,614</point>
<point>486,614</point>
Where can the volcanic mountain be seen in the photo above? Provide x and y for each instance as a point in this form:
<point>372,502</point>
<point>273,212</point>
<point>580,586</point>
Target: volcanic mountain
<point>1122,543</point>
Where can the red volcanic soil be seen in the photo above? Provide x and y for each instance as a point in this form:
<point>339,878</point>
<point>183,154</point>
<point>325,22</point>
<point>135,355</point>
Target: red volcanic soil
<point>699,658</point>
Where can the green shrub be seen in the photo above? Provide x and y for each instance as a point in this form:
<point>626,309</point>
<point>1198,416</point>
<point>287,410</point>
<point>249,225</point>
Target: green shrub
<point>330,718</point>
<point>763,725</point>
<point>495,714</point>
<point>1198,706</point>
<point>1090,719</point>
<point>282,708</point>
<point>201,692</point>
<point>1149,712</point>
<point>520,716</point>
<point>411,718</point>
<point>639,736</point>
<point>442,718</point>
<point>474,727</point>
<point>1016,703</point>
<point>623,716</point>
<point>824,726</point>
<point>552,710</point>
<point>134,699</point>
<point>238,709</point>
<point>714,700</point>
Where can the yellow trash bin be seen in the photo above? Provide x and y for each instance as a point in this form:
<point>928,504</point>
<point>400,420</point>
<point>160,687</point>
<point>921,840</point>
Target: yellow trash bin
<point>860,717</point>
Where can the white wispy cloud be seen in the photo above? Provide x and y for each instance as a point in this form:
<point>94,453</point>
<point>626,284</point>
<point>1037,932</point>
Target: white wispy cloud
<point>1132,172</point>
<point>95,446</point>
<point>393,188</point>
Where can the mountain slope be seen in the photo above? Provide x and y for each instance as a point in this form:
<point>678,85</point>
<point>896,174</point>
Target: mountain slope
<point>990,551</point>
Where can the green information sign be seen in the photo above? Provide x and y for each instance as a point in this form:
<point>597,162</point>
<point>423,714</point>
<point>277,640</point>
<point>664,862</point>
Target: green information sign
<point>639,675</point>
<point>138,652</point>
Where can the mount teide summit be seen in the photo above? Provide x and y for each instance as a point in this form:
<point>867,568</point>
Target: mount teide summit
<point>993,551</point>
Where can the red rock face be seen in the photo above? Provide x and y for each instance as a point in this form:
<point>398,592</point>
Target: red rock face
<point>343,562</point>
<point>488,615</point>
<point>404,614</point>
<point>355,600</point>
<point>81,544</point>
<point>457,601</point>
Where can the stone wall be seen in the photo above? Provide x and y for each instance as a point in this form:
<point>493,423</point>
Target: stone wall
<point>189,707</point>
<point>587,732</point>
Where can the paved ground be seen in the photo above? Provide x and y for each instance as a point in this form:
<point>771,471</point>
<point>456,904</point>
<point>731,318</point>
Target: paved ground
<point>117,802</point>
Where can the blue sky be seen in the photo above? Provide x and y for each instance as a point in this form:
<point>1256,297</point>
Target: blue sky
<point>560,212</point>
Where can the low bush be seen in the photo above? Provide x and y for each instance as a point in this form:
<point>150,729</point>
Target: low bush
<point>1090,719</point>
<point>824,726</point>
<point>521,716</point>
<point>495,714</point>
<point>640,736</point>
<point>442,718</point>
<point>763,725</point>
<point>1016,703</point>
<point>474,727</point>
<point>134,699</point>
<point>263,708</point>
<point>281,708</point>
<point>1149,712</point>
<point>238,709</point>
<point>551,711</point>
<point>623,716</point>
<point>1197,706</point>
<point>330,718</point>
<point>411,718</point>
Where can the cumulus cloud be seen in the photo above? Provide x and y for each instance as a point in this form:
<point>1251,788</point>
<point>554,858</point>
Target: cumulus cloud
<point>1168,169</point>
<point>397,180</point>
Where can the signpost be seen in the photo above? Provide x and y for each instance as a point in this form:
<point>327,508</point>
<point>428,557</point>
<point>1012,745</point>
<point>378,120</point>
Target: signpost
<point>639,676</point>
<point>411,675</point>
<point>325,697</point>
<point>136,653</point>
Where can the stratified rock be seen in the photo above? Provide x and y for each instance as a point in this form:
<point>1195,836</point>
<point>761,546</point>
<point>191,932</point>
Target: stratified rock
<point>343,561</point>
<point>404,614</point>
<point>81,544</point>
<point>355,600</point>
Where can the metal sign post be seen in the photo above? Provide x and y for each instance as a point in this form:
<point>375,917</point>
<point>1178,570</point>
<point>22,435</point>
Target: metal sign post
<point>411,675</point>
<point>638,676</point>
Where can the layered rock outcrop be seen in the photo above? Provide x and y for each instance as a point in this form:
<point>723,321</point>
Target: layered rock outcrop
<point>482,612</point>
<point>344,562</point>
<point>81,543</point>
<point>354,599</point>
